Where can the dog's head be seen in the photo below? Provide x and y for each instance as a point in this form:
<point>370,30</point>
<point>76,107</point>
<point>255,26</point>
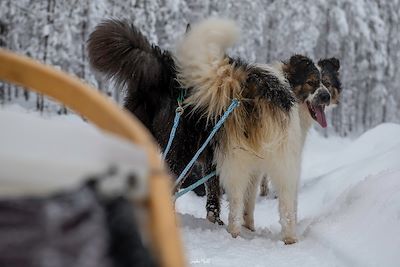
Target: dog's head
<point>316,86</point>
<point>329,69</point>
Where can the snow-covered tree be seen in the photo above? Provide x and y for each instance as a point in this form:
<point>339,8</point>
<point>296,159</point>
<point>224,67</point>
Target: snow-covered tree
<point>363,34</point>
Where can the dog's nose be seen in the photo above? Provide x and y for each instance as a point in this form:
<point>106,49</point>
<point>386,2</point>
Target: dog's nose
<point>324,97</point>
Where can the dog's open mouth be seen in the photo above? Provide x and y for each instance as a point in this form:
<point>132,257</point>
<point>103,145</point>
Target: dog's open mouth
<point>317,112</point>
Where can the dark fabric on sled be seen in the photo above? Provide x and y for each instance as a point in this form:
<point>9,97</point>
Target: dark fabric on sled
<point>126,247</point>
<point>71,229</point>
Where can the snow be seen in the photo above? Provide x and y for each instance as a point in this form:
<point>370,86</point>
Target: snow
<point>41,155</point>
<point>349,199</point>
<point>349,211</point>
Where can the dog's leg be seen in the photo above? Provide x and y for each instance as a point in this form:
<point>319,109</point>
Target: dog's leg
<point>235,182</point>
<point>213,189</point>
<point>194,176</point>
<point>285,175</point>
<point>264,190</point>
<point>250,201</point>
<point>213,205</point>
<point>236,193</point>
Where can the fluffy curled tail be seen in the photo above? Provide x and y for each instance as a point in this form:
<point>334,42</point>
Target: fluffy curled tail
<point>205,44</point>
<point>120,51</point>
<point>203,66</point>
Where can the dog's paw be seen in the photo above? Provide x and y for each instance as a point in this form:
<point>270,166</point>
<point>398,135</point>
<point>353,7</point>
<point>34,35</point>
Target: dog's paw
<point>234,235</point>
<point>289,240</point>
<point>213,218</point>
<point>219,221</point>
<point>234,230</point>
<point>248,223</point>
<point>250,226</point>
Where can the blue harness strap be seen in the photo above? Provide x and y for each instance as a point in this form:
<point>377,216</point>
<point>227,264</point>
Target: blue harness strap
<point>217,126</point>
<point>235,102</point>
<point>178,113</point>
<point>194,185</point>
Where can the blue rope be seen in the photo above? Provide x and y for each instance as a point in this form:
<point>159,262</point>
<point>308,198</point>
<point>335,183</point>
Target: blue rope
<point>196,184</point>
<point>218,125</point>
<point>178,114</point>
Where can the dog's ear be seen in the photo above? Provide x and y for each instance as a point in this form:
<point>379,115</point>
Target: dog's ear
<point>299,62</point>
<point>297,68</point>
<point>333,62</point>
<point>188,28</point>
<point>330,69</point>
<point>298,65</point>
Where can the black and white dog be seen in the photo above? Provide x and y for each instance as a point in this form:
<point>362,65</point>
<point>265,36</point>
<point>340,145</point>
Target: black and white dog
<point>265,134</point>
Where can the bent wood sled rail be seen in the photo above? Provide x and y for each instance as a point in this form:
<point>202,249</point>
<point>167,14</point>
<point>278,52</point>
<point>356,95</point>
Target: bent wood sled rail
<point>104,113</point>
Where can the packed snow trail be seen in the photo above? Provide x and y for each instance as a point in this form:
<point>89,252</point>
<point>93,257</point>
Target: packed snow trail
<point>349,211</point>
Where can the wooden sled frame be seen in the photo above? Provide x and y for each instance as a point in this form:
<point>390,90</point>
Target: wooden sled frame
<point>104,113</point>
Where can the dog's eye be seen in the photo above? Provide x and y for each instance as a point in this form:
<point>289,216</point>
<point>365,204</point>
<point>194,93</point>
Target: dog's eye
<point>311,83</point>
<point>327,84</point>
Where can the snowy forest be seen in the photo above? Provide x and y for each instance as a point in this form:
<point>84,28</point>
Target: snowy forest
<point>363,34</point>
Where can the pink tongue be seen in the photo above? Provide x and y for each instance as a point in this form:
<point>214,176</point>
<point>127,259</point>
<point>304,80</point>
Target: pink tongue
<point>320,114</point>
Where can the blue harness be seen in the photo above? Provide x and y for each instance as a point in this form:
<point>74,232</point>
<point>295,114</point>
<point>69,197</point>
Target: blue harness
<point>178,113</point>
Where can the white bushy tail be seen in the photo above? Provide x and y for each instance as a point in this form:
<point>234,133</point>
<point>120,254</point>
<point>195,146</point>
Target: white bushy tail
<point>205,44</point>
<point>203,65</point>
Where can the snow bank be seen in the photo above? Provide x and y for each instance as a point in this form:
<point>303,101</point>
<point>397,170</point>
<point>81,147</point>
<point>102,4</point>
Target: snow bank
<point>349,211</point>
<point>365,223</point>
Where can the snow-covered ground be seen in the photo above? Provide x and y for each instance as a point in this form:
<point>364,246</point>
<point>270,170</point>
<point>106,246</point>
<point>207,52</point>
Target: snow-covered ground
<point>349,208</point>
<point>349,211</point>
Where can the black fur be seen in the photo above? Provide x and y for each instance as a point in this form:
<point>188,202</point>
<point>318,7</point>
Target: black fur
<point>193,176</point>
<point>330,72</point>
<point>265,85</point>
<point>299,69</point>
<point>269,86</point>
<point>121,52</point>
